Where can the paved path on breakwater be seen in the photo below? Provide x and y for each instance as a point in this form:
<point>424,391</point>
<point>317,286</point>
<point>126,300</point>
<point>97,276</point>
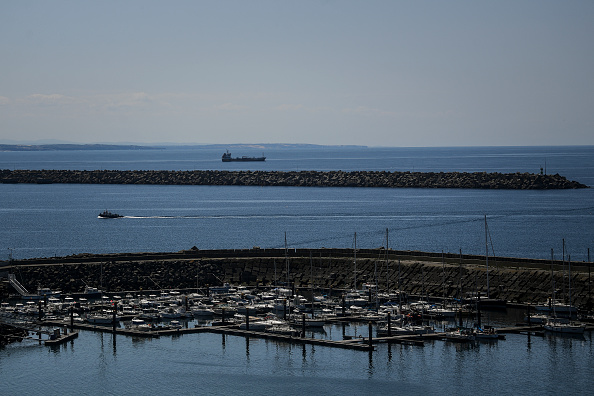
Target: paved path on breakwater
<point>475,180</point>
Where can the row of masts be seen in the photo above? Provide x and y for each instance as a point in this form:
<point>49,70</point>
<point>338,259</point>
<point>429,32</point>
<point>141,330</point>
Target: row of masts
<point>566,294</point>
<point>488,242</point>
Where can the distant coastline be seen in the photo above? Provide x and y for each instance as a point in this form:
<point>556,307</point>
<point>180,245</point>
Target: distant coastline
<point>70,147</point>
<point>159,146</point>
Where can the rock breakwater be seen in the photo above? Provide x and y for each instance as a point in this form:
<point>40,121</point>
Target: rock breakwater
<point>415,273</point>
<point>476,180</point>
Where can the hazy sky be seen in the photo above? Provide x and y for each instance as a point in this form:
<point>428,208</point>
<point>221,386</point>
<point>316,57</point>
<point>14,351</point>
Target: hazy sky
<point>387,73</point>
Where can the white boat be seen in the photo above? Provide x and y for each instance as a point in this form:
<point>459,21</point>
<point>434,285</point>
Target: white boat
<point>460,335</point>
<point>225,288</point>
<point>537,319</point>
<point>564,328</point>
<point>558,308</point>
<point>262,324</point>
<point>354,298</point>
<point>442,312</point>
<point>76,318</point>
<point>149,314</point>
<point>486,334</point>
<point>405,330</point>
<point>170,313</point>
<point>102,319</point>
<point>256,325</point>
<point>201,310</point>
<point>282,329</point>
<point>90,293</point>
<point>229,310</point>
<point>313,322</point>
<point>175,324</point>
<point>42,293</point>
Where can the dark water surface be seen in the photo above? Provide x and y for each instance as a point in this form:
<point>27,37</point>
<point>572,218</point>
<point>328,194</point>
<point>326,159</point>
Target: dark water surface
<point>96,363</point>
<point>47,220</point>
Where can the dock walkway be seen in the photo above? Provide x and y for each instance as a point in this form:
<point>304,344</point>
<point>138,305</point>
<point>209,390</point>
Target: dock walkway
<point>62,338</point>
<point>359,343</point>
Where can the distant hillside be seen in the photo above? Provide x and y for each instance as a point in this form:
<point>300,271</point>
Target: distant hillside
<point>165,146</point>
<point>63,147</point>
<point>260,146</point>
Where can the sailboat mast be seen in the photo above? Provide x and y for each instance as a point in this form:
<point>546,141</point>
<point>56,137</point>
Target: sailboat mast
<point>387,263</point>
<point>487,255</point>
<point>355,259</point>
<point>311,283</point>
<point>375,280</point>
<point>399,289</point>
<point>443,278</point>
<point>569,269</point>
<point>460,279</point>
<point>563,260</point>
<point>287,261</point>
<point>275,283</point>
<point>552,281</point>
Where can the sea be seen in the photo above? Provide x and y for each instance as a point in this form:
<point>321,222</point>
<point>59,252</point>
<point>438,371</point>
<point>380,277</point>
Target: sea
<point>45,220</point>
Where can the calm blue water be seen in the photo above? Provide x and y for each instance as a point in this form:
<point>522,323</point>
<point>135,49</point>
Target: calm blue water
<point>47,220</point>
<point>96,364</point>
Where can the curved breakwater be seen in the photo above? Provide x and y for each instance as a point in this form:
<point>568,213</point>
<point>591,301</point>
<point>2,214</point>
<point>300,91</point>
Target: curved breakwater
<point>515,280</point>
<point>474,180</point>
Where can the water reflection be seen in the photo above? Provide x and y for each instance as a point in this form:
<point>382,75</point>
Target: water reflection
<point>439,366</point>
<point>103,365</point>
<point>566,340</point>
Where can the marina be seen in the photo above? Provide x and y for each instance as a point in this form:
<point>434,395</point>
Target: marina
<point>342,351</point>
<point>400,323</point>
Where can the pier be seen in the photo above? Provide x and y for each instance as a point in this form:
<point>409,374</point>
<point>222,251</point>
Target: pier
<point>61,339</point>
<point>225,330</point>
<point>359,343</point>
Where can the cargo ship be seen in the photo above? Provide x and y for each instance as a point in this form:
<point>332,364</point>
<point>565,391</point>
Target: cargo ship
<point>227,158</point>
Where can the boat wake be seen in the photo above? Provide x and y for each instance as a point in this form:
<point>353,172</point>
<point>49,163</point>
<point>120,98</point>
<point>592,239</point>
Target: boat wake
<point>162,217</point>
<point>309,217</point>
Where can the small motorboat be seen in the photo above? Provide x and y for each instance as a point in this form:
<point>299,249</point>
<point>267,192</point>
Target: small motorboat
<point>108,215</point>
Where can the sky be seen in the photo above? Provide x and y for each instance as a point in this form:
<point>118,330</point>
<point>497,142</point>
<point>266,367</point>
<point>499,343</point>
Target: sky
<point>338,72</point>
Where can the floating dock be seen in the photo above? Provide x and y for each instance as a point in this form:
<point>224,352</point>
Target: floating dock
<point>62,338</point>
<point>359,343</point>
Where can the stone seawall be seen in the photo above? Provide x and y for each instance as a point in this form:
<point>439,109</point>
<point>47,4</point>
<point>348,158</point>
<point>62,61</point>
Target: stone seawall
<point>515,280</point>
<point>480,180</point>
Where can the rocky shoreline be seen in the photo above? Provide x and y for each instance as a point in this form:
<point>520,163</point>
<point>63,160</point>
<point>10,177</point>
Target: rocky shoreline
<point>475,180</point>
<point>518,281</point>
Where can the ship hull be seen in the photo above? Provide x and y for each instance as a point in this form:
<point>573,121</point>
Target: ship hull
<point>244,159</point>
